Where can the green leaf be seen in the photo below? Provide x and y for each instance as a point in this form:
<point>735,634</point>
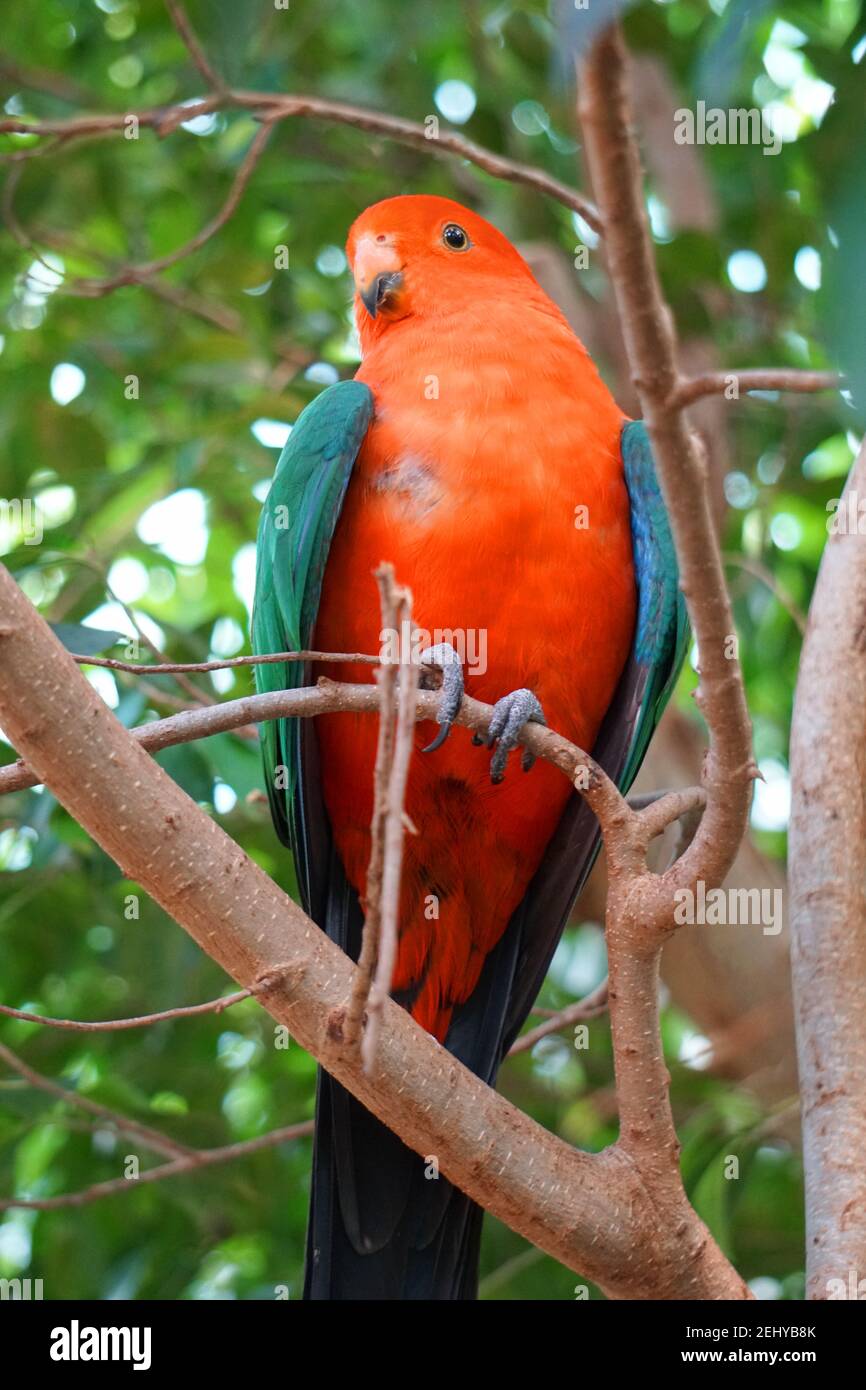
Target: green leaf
<point>188,767</point>
<point>85,641</point>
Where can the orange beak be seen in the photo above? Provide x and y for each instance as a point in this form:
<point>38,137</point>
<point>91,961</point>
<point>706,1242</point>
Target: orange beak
<point>377,273</point>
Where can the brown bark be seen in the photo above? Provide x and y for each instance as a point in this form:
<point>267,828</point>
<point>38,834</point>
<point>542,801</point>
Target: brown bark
<point>650,341</point>
<point>827,849</point>
<point>733,981</point>
<point>596,1213</point>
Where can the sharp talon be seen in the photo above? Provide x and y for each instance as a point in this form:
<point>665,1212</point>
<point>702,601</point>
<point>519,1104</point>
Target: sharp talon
<point>497,766</point>
<point>508,718</point>
<point>439,739</point>
<point>446,659</point>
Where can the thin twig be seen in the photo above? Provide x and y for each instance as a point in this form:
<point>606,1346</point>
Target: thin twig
<point>196,1159</point>
<point>151,1138</point>
<point>589,1210</point>
<point>53,84</point>
<point>136,274</point>
<point>591,1006</point>
<point>640,905</point>
<point>206,309</point>
<point>386,679</point>
<point>199,696</point>
<point>116,1025</point>
<point>665,810</point>
<point>397,601</point>
<point>209,310</point>
<point>181,21</point>
<point>638,801</point>
<point>275,106</point>
<point>156,696</point>
<point>766,576</point>
<point>329,697</point>
<point>690,389</point>
<point>168,668</point>
<point>649,335</point>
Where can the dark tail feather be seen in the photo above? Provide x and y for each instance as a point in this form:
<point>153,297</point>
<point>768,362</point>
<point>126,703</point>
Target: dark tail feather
<point>381,1225</point>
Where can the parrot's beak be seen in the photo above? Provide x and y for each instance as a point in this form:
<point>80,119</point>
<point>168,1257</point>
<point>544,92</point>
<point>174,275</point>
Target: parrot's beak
<point>377,272</point>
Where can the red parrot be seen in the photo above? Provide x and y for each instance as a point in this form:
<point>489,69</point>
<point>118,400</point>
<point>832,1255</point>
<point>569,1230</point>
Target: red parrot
<point>479,451</point>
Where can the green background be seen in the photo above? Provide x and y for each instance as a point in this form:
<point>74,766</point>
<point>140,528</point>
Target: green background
<point>234,342</point>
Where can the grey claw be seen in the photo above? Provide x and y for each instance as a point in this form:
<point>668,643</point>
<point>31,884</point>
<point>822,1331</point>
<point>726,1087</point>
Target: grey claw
<point>445,657</point>
<point>509,716</point>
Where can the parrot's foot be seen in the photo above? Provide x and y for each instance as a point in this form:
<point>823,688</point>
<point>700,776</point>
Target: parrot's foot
<point>509,716</point>
<point>450,667</point>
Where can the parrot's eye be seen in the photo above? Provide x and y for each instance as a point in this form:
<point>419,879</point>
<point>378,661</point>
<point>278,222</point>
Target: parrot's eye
<point>455,238</point>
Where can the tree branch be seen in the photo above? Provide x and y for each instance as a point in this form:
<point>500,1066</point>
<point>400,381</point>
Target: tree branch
<point>117,1025</point>
<point>687,390</point>
<point>151,1138</point>
<point>391,818</point>
<point>827,875</point>
<point>386,678</point>
<point>271,108</point>
<point>275,106</point>
<point>53,84</point>
<point>171,668</point>
<point>640,907</point>
<point>591,1006</point>
<point>665,810</point>
<point>649,336</point>
<point>190,1163</point>
<point>181,21</point>
<point>332,697</point>
<point>590,1211</point>
<point>137,274</point>
<point>766,576</point>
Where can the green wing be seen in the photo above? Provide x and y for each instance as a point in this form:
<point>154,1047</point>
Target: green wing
<point>297,524</point>
<point>298,521</point>
<point>662,628</point>
<point>650,673</point>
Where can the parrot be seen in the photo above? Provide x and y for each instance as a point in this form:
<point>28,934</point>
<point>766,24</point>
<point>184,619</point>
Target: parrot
<point>477,450</point>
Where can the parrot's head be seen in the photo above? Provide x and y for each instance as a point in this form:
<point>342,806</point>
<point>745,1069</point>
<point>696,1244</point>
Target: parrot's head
<point>423,256</point>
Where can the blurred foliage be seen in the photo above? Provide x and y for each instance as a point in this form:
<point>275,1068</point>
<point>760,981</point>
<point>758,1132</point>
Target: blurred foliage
<point>146,433</point>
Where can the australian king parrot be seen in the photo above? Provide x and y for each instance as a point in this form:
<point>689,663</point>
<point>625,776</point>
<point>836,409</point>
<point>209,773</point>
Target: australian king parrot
<point>478,450</point>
